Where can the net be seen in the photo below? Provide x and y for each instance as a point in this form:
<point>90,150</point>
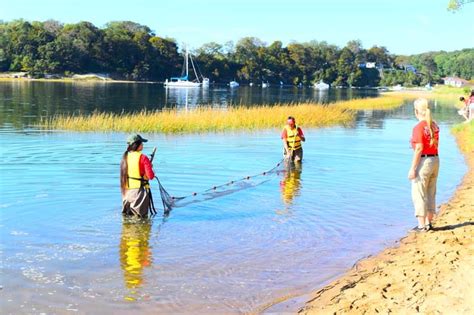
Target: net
<point>169,202</point>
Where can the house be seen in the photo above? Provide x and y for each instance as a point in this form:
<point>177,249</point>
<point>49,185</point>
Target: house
<point>455,81</point>
<point>410,68</point>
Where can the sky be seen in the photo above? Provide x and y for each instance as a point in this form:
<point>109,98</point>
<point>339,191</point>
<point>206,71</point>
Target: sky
<point>403,26</point>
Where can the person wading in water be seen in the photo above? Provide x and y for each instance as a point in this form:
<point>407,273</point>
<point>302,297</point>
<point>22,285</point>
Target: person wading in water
<point>292,136</point>
<point>424,168</point>
<point>135,172</point>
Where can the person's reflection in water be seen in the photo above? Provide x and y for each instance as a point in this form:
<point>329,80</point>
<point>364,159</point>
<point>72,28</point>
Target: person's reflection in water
<point>135,253</point>
<point>290,186</point>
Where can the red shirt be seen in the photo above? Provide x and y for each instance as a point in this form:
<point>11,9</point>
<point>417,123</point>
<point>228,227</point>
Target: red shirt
<point>145,167</point>
<point>284,135</point>
<point>421,134</point>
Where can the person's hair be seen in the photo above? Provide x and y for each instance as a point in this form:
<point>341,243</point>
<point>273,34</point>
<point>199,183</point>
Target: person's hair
<point>462,98</point>
<point>421,106</point>
<point>472,93</point>
<point>124,165</point>
<point>291,118</point>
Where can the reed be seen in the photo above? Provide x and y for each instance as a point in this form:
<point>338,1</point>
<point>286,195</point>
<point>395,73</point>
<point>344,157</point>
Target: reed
<point>208,119</point>
<point>465,136</point>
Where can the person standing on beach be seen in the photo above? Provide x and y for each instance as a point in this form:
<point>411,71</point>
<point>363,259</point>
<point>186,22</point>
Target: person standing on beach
<point>135,172</point>
<point>292,136</point>
<point>424,168</point>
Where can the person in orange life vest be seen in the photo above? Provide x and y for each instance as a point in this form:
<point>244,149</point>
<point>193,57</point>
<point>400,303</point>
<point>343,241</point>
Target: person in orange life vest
<point>424,168</point>
<point>135,172</point>
<point>292,136</point>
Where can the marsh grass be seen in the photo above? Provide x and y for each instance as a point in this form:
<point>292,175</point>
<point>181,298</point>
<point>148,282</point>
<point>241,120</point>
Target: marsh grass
<point>465,135</point>
<point>208,119</point>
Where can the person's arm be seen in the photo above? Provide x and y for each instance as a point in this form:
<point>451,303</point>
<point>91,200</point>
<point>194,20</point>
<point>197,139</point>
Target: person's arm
<point>417,140</point>
<point>147,167</point>
<point>301,134</point>
<point>415,161</point>
<point>285,142</point>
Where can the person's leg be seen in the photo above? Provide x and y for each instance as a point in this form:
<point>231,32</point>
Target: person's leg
<point>141,204</point>
<point>418,193</point>
<point>126,205</point>
<point>431,190</point>
<point>298,155</point>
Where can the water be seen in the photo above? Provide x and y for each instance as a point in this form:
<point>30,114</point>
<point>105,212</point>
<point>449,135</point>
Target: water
<point>66,248</point>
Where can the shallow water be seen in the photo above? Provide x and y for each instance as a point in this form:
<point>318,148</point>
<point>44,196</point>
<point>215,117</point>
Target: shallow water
<point>66,248</point>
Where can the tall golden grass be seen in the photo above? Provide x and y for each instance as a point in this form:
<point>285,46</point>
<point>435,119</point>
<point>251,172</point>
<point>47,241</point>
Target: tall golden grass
<point>465,136</point>
<point>206,119</point>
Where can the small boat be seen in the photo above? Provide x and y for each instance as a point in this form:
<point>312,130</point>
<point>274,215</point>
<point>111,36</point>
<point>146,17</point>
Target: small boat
<point>233,84</point>
<point>265,85</point>
<point>183,81</point>
<point>397,87</point>
<point>321,86</point>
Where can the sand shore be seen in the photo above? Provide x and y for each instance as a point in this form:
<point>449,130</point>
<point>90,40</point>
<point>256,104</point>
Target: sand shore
<point>428,273</point>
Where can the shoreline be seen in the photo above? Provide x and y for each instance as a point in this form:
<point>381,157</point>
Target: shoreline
<point>71,80</point>
<point>427,272</point>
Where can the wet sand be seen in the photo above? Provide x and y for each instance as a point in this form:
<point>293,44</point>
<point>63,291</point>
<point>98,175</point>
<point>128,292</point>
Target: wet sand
<point>428,273</point>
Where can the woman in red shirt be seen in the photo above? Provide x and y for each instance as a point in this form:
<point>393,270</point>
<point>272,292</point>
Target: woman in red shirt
<point>425,165</point>
<point>135,172</point>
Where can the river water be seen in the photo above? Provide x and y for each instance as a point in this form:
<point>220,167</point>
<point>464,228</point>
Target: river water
<point>66,248</point>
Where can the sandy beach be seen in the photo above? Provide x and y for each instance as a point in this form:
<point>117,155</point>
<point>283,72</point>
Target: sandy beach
<point>428,273</point>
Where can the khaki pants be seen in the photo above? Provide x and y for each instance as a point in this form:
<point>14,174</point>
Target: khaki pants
<point>136,202</point>
<point>423,187</point>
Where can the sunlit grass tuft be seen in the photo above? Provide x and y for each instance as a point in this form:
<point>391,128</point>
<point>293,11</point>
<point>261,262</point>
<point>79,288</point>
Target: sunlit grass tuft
<point>465,136</point>
<point>208,119</point>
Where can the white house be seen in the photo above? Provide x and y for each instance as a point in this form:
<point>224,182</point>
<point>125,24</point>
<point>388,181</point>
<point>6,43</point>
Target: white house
<point>455,81</point>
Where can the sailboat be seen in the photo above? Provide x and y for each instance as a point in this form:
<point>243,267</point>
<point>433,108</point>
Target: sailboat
<point>183,80</point>
<point>321,86</point>
<point>234,84</point>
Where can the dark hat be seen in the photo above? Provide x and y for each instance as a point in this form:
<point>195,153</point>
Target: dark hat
<point>135,138</point>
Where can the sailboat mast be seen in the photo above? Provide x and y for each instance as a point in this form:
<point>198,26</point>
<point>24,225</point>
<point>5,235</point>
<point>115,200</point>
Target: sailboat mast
<point>187,66</point>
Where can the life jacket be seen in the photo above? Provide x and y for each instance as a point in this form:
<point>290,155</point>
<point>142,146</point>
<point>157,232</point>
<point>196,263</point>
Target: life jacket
<point>135,180</point>
<point>293,138</point>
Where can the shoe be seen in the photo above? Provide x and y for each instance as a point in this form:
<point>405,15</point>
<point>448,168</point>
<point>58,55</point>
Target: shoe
<point>428,227</point>
<point>418,229</point>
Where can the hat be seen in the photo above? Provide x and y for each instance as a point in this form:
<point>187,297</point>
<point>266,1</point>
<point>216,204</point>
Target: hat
<point>135,138</point>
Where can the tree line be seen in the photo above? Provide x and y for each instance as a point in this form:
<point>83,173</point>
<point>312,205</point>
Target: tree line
<point>131,51</point>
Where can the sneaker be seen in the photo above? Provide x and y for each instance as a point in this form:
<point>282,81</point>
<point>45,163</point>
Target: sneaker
<point>418,229</point>
<point>428,227</point>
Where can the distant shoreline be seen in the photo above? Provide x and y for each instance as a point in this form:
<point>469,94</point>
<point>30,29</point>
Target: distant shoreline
<point>71,80</point>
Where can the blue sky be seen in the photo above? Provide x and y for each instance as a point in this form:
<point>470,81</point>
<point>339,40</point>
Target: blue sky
<point>404,27</point>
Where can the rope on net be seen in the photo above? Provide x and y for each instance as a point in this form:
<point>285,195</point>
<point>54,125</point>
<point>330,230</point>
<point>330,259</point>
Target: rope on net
<point>170,202</point>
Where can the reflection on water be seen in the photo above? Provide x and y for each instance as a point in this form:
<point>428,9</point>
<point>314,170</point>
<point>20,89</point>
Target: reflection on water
<point>135,253</point>
<point>291,183</point>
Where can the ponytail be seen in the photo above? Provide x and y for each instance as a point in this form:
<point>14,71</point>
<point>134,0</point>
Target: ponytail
<point>429,121</point>
<point>124,166</point>
<point>421,105</point>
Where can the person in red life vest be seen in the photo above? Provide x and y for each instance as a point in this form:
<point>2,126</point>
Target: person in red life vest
<point>135,172</point>
<point>292,136</point>
<point>424,168</point>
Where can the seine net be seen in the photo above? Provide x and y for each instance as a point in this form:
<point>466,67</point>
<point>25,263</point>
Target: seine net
<point>170,202</point>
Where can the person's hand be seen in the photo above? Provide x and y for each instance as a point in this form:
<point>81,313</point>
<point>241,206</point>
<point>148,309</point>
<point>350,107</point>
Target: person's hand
<point>411,174</point>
